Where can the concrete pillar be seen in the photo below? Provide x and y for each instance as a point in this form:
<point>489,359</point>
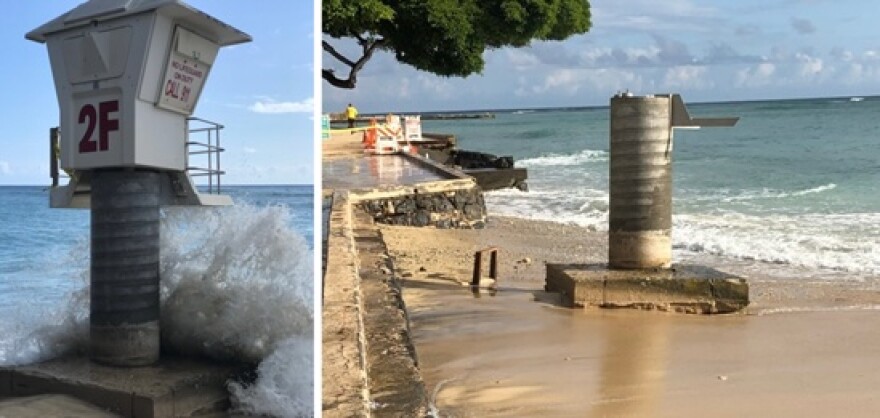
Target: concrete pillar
<point>640,189</point>
<point>124,321</point>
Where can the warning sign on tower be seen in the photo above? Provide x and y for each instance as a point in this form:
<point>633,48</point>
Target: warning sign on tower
<point>188,65</point>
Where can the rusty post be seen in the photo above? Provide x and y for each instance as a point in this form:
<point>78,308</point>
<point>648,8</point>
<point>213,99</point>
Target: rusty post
<point>478,265</point>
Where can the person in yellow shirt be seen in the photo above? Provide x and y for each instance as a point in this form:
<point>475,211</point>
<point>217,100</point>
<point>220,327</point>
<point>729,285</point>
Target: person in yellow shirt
<point>351,113</point>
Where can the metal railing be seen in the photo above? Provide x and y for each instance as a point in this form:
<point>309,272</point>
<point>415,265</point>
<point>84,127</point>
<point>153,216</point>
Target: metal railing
<point>209,149</point>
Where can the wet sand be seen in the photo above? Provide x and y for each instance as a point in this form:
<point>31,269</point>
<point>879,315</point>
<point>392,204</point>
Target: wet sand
<point>805,347</point>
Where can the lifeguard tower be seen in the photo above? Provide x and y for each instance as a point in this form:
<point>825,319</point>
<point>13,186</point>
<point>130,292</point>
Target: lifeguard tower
<point>128,76</point>
<point>640,273</point>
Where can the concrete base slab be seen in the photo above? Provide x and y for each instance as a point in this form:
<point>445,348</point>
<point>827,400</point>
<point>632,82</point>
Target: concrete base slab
<point>172,388</point>
<point>42,406</point>
<point>683,288</point>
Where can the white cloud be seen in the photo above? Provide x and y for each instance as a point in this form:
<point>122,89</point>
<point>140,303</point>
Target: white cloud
<point>687,76</point>
<point>267,105</point>
<point>439,88</point>
<point>4,168</point>
<point>602,82</point>
<point>249,150</point>
<point>859,73</point>
<point>757,76</point>
<point>810,66</point>
<point>636,15</point>
<point>521,59</point>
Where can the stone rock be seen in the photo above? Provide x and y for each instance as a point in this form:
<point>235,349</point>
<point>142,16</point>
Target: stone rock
<point>374,207</point>
<point>405,205</point>
<point>424,202</point>
<point>473,212</point>
<point>421,218</point>
<point>460,199</point>
<point>443,204</point>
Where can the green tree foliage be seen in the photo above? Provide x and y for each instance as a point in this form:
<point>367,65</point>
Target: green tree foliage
<point>445,37</point>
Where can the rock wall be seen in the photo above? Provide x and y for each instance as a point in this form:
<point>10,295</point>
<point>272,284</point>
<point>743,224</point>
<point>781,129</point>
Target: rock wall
<point>463,208</point>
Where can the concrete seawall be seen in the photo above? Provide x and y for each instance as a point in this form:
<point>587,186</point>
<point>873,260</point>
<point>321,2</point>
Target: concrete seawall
<point>370,366</point>
<point>369,363</point>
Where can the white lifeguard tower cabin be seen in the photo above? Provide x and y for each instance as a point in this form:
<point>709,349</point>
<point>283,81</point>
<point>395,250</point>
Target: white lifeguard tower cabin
<point>128,75</point>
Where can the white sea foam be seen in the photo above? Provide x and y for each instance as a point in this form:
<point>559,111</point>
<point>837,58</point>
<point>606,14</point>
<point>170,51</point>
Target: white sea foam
<point>236,280</point>
<point>32,332</point>
<point>284,383</point>
<point>819,189</point>
<point>236,284</point>
<point>841,242</point>
<point>802,309</point>
<point>727,196</point>
<point>578,158</point>
<point>847,243</point>
<point>584,207</point>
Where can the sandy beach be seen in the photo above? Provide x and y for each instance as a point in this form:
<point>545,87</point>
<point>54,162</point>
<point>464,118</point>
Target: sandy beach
<point>805,346</point>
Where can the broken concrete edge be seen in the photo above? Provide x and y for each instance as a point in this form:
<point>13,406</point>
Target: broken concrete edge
<point>392,191</point>
<point>438,167</point>
<point>395,383</point>
<point>176,387</point>
<point>344,389</point>
<point>685,288</point>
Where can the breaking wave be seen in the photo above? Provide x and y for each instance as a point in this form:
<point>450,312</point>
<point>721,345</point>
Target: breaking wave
<point>236,285</point>
<point>578,158</point>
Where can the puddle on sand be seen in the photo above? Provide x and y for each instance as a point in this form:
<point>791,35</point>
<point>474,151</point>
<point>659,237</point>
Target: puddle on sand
<point>518,354</point>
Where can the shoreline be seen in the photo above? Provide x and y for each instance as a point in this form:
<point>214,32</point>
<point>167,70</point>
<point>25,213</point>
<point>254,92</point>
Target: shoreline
<point>774,287</point>
<point>798,349</point>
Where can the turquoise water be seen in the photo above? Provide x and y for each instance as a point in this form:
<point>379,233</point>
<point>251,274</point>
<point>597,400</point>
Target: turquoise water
<point>794,183</point>
<point>236,284</point>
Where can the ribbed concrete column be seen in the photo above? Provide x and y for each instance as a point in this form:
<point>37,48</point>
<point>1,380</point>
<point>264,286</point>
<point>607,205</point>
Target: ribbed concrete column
<point>640,189</point>
<point>124,322</point>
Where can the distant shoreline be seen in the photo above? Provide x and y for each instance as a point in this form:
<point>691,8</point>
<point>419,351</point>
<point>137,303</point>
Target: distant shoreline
<point>538,109</point>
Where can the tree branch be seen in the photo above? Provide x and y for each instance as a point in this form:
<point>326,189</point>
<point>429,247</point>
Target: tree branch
<point>369,47</point>
<point>332,51</point>
<point>337,82</point>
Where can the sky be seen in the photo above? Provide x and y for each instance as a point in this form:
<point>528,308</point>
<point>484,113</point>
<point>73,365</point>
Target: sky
<point>261,91</point>
<point>719,50</point>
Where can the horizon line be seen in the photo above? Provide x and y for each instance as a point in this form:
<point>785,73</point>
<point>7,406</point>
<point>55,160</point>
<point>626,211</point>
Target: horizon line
<point>487,110</point>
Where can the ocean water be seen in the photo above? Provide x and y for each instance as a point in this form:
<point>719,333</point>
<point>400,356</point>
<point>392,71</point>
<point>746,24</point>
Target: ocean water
<point>236,285</point>
<point>795,183</point>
